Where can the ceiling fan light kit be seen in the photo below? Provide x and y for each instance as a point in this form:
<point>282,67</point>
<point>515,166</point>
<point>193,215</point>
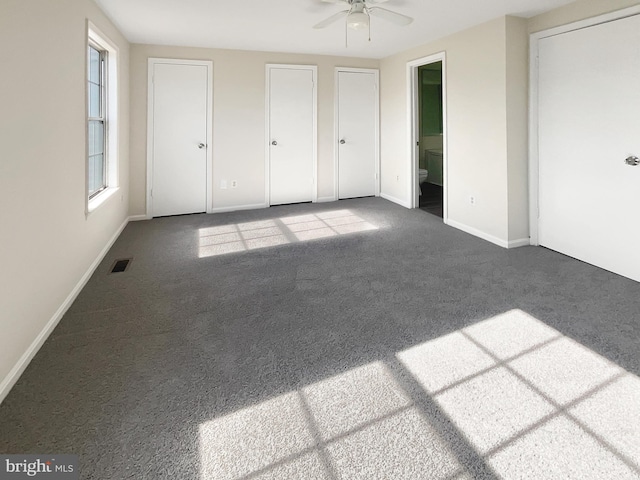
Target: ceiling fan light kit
<point>358,15</point>
<point>358,20</point>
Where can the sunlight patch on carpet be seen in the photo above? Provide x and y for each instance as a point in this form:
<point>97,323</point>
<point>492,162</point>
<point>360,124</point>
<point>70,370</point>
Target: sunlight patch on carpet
<point>234,238</point>
<point>359,424</point>
<point>532,402</point>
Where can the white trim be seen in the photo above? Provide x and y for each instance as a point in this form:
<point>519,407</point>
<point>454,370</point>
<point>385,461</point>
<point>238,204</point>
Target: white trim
<point>236,208</point>
<point>534,159</point>
<point>14,374</point>
<point>413,124</point>
<point>336,135</point>
<point>480,234</point>
<point>336,126</point>
<point>100,199</point>
<point>522,242</point>
<point>267,149</point>
<point>137,218</point>
<point>402,203</point>
<point>267,137</point>
<point>330,198</point>
<point>209,128</point>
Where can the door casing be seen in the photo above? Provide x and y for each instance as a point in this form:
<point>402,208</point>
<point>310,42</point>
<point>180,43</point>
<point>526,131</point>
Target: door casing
<point>150,127</point>
<point>413,123</point>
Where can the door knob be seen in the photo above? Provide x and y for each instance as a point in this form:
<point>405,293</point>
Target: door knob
<point>343,141</point>
<point>632,160</point>
<point>201,146</point>
<point>274,143</point>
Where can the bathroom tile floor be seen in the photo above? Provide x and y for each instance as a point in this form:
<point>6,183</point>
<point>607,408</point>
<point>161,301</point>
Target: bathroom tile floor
<point>431,199</point>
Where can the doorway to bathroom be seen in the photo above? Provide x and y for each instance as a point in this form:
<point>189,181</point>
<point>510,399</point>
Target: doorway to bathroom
<point>428,126</point>
<point>430,140</point>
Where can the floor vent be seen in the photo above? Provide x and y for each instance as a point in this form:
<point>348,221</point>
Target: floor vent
<point>120,265</point>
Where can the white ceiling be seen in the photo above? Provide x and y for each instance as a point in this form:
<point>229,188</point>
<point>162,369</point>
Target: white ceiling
<point>286,25</point>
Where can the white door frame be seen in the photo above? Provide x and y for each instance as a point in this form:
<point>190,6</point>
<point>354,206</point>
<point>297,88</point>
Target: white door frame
<point>267,149</point>
<point>414,134</point>
<point>534,159</point>
<point>170,61</point>
<point>336,125</point>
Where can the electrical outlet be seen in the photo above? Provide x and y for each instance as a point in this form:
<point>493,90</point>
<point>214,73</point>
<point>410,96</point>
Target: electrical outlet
<point>397,178</point>
<point>223,184</point>
<point>234,183</point>
<point>472,200</point>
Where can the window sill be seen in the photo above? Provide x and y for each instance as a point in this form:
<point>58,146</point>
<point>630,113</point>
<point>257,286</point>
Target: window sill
<point>100,199</point>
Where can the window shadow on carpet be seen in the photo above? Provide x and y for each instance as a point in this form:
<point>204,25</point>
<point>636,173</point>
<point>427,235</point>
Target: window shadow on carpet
<point>517,397</point>
<point>241,237</point>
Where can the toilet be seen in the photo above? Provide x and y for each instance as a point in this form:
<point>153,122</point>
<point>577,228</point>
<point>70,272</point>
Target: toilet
<point>422,177</point>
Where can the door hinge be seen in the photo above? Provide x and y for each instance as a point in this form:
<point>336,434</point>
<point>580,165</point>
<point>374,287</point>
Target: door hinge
<point>152,192</point>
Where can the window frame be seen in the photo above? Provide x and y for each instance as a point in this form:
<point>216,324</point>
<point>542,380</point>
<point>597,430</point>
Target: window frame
<point>109,113</point>
<point>103,69</point>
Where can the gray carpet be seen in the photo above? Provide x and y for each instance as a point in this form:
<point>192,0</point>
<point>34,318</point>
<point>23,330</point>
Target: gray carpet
<point>347,340</point>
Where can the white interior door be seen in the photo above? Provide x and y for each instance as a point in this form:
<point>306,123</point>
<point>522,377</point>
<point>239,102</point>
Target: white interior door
<point>357,119</point>
<point>179,133</point>
<point>292,137</point>
<point>589,124</point>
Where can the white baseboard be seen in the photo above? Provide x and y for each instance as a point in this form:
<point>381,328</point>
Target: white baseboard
<point>478,233</point>
<point>396,200</point>
<point>327,199</point>
<point>137,218</point>
<point>521,242</point>
<point>235,208</point>
<point>12,377</point>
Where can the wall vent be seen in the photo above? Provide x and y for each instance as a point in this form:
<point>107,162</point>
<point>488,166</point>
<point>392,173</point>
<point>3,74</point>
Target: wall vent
<point>120,265</point>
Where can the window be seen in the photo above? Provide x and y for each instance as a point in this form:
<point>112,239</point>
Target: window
<point>97,166</point>
<point>102,119</point>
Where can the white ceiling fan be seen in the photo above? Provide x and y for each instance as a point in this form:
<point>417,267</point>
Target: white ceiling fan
<point>358,13</point>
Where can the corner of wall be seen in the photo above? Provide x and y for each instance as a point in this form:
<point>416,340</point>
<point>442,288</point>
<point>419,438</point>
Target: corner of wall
<point>517,88</point>
<point>576,11</point>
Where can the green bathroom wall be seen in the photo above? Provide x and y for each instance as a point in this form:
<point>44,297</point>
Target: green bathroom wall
<point>431,99</point>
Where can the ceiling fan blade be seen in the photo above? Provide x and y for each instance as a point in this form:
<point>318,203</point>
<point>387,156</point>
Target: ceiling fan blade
<point>331,19</point>
<point>393,17</point>
<point>370,1</point>
<point>339,1</point>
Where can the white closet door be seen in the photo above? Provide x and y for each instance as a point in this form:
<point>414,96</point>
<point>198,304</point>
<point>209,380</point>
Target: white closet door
<point>357,133</point>
<point>589,124</point>
<point>291,125</point>
<point>179,180</point>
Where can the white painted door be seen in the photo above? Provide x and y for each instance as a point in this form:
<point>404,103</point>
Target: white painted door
<point>179,181</point>
<point>291,126</point>
<point>589,123</point>
<point>357,133</point>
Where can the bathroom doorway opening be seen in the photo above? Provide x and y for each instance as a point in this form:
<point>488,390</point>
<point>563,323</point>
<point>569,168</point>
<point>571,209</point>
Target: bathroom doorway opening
<point>430,140</point>
<point>428,121</point>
